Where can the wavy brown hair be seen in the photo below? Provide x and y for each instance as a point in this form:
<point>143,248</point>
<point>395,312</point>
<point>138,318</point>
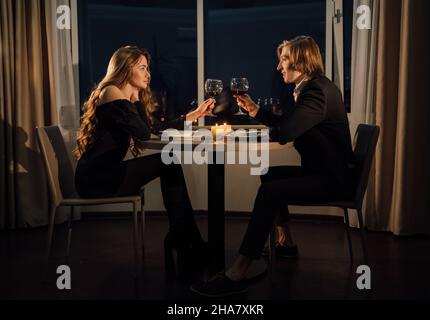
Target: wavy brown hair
<point>118,73</point>
<point>305,55</point>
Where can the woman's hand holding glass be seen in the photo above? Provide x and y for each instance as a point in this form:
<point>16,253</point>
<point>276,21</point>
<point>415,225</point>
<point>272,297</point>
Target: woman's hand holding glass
<point>244,101</point>
<point>213,87</point>
<point>202,110</point>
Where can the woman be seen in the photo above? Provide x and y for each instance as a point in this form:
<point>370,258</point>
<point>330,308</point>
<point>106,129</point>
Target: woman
<point>117,115</point>
<point>318,125</point>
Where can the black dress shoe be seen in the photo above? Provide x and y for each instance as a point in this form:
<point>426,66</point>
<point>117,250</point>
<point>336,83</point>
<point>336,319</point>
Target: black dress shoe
<point>283,251</point>
<point>220,286</point>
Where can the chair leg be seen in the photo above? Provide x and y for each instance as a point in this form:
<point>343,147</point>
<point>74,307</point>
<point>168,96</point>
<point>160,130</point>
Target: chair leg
<point>142,234</point>
<point>136,242</point>
<point>348,233</point>
<point>272,248</point>
<point>169,260</point>
<point>363,236</point>
<point>69,234</point>
<point>49,241</point>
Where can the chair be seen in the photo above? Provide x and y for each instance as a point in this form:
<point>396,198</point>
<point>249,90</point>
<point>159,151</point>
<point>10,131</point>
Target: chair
<point>59,171</point>
<point>366,138</point>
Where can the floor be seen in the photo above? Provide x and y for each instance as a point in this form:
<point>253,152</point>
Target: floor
<point>101,263</point>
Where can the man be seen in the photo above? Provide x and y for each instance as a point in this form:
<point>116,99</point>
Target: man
<point>319,127</point>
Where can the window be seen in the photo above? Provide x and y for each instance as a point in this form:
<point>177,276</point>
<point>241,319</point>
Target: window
<point>241,38</point>
<point>166,28</point>
<point>192,40</point>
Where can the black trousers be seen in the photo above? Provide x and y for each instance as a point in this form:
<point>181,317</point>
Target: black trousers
<point>279,187</point>
<point>140,171</point>
<point>282,172</point>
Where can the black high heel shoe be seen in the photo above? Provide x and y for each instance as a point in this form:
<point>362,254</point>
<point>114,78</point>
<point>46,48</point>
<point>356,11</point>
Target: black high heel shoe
<point>169,261</point>
<point>192,256</point>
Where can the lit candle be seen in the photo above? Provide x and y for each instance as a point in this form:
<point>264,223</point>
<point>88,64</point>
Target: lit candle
<point>215,129</point>
<point>226,128</point>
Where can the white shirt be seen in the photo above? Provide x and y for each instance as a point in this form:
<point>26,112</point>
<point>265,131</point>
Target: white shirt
<point>298,88</point>
<point>296,94</point>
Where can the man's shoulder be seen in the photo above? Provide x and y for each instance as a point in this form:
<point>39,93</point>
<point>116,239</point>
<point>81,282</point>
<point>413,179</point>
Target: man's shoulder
<point>321,83</point>
<point>317,84</point>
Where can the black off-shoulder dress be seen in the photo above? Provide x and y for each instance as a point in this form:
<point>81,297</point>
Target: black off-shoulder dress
<point>101,170</point>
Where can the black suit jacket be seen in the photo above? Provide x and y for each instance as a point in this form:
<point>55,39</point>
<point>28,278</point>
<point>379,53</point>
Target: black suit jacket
<point>319,127</point>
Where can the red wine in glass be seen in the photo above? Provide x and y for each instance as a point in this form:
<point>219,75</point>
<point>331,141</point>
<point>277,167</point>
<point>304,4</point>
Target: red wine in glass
<point>240,92</point>
<point>239,86</point>
<point>213,87</point>
<point>213,93</point>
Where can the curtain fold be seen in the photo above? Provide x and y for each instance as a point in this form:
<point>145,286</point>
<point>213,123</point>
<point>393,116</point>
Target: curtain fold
<point>23,184</point>
<point>34,80</point>
<point>390,91</point>
<point>410,204</point>
<point>363,83</point>
<point>63,71</point>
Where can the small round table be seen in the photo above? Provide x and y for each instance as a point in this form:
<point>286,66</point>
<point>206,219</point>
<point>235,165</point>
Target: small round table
<point>216,193</point>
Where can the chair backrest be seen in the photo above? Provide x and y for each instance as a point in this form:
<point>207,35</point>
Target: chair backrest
<point>57,163</point>
<point>366,139</point>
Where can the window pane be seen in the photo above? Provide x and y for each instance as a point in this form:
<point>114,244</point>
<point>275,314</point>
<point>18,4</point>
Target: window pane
<point>241,38</point>
<point>166,28</point>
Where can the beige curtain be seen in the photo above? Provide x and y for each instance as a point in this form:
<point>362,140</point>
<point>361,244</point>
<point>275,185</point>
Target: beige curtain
<point>398,196</point>
<point>26,101</point>
<point>64,65</point>
<point>363,82</point>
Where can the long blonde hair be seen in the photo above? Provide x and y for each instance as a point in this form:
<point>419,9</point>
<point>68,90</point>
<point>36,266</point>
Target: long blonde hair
<point>305,55</point>
<point>118,73</point>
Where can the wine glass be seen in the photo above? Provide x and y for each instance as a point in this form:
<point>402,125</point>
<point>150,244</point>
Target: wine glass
<point>213,87</point>
<point>239,86</point>
<point>260,102</point>
<point>275,106</point>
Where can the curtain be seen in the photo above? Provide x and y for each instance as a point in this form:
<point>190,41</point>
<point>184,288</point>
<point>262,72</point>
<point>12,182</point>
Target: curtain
<point>63,62</point>
<point>363,83</point>
<point>397,197</point>
<point>28,98</point>
<point>24,104</point>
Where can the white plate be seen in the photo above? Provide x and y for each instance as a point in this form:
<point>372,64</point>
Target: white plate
<point>178,133</point>
<point>248,134</point>
<point>236,134</point>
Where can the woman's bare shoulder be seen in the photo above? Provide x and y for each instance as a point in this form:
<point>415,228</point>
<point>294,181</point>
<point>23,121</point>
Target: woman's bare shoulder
<point>109,94</point>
